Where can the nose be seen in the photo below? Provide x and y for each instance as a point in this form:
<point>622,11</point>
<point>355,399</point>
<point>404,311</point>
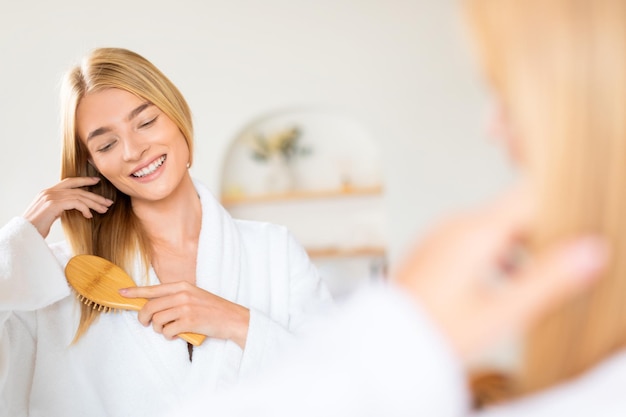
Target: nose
<point>133,148</point>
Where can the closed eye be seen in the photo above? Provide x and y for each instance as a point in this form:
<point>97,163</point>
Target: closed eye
<point>149,122</point>
<point>106,147</point>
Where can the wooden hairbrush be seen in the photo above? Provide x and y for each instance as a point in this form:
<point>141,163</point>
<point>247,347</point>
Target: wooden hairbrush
<point>97,282</point>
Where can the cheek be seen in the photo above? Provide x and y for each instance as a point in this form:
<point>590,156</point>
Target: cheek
<point>181,146</point>
<point>185,149</point>
<point>104,165</point>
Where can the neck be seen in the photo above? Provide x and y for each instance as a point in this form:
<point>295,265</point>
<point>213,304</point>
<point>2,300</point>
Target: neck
<point>174,221</point>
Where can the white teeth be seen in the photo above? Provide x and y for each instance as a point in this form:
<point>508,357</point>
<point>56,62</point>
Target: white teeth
<point>150,168</point>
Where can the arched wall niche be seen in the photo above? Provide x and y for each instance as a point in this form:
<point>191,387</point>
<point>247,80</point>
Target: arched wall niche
<point>319,173</point>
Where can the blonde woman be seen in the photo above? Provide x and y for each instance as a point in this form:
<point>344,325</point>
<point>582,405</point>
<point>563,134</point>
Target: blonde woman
<point>558,68</point>
<point>127,195</point>
<point>558,72</point>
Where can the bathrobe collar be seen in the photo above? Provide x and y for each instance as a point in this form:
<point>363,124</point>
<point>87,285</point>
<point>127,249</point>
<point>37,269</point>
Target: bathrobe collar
<point>218,267</point>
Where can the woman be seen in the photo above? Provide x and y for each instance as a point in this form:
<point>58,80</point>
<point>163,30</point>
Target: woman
<point>126,195</point>
<point>558,71</point>
<point>558,68</point>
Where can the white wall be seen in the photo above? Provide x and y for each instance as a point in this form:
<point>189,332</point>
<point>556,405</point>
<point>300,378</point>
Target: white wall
<point>400,66</point>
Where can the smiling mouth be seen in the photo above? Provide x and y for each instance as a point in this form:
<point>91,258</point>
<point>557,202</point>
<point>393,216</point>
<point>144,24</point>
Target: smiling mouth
<point>150,168</point>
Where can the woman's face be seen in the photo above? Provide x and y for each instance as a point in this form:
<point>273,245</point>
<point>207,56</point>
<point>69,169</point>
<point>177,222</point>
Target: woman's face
<point>132,143</point>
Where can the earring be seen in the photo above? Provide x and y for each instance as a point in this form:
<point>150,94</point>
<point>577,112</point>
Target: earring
<point>188,164</point>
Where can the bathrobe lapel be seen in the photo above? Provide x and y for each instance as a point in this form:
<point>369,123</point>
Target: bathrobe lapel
<point>218,267</point>
<point>219,264</point>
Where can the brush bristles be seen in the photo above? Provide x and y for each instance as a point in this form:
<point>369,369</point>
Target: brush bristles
<point>94,305</point>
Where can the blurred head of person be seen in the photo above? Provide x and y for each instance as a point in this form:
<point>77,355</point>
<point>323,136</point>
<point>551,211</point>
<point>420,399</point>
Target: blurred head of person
<point>558,70</point>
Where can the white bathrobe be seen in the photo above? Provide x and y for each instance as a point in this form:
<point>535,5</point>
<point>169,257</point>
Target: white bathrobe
<point>382,356</point>
<point>121,368</point>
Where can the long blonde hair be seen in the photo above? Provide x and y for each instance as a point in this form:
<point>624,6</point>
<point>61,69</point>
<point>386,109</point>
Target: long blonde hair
<point>116,235</point>
<point>559,67</point>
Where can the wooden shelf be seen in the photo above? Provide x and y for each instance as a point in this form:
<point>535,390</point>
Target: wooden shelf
<point>371,252</point>
<point>300,195</point>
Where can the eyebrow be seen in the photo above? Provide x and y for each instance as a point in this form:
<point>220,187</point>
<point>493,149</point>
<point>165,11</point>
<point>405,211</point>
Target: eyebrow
<point>134,113</point>
<point>138,110</point>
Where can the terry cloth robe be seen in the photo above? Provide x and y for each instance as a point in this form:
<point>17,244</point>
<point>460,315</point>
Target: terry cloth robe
<point>121,368</point>
<point>408,369</point>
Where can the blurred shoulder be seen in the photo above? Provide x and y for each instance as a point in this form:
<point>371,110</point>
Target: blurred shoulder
<point>598,392</point>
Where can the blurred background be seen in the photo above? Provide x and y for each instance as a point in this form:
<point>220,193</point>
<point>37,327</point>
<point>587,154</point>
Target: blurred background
<point>356,123</point>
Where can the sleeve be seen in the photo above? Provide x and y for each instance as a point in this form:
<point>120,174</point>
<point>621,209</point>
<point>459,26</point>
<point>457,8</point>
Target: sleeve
<point>30,278</point>
<point>309,295</point>
<point>377,355</point>
<point>307,298</point>
<point>30,274</point>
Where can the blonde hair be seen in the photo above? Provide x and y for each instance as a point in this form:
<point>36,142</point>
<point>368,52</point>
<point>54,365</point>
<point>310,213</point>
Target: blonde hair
<point>559,67</point>
<point>116,235</point>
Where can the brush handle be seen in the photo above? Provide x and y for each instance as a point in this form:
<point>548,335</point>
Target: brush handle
<point>195,339</point>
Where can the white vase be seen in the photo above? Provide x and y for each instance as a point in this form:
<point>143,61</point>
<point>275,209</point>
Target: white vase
<point>279,175</point>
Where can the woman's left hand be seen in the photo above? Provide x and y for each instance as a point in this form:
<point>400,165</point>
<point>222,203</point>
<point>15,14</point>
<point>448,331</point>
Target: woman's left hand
<point>449,274</point>
<point>181,307</point>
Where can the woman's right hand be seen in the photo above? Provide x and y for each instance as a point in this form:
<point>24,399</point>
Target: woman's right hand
<point>66,195</point>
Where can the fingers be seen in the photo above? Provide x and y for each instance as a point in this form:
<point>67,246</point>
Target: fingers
<point>76,182</point>
<point>66,195</point>
<point>181,307</point>
<point>163,297</point>
<point>556,276</point>
<point>527,295</point>
<point>77,199</point>
<point>71,189</point>
<point>155,291</point>
<point>173,310</point>
<point>479,242</point>
<point>494,230</point>
<point>173,321</point>
<point>451,274</point>
<point>478,237</point>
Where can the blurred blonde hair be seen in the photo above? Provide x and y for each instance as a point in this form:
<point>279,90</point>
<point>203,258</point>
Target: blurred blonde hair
<point>559,67</point>
<point>116,235</point>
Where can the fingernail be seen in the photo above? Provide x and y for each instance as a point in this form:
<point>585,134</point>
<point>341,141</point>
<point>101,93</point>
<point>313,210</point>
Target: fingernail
<point>110,201</point>
<point>96,178</point>
<point>123,291</point>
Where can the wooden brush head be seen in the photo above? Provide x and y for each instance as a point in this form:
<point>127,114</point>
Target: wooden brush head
<point>98,281</point>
